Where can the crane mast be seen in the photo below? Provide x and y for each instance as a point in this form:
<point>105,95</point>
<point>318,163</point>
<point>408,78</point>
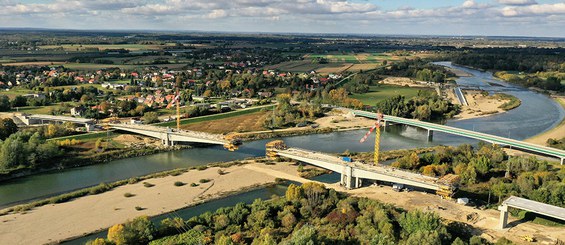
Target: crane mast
<point>376,127</point>
<point>178,108</point>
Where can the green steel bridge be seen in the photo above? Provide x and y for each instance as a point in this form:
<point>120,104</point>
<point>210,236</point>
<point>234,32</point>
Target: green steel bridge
<point>493,139</point>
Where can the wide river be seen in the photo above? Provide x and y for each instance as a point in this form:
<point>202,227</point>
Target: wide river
<point>537,113</point>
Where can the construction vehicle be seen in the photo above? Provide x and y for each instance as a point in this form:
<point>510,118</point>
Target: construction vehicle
<point>377,126</point>
<point>528,238</point>
<point>272,146</point>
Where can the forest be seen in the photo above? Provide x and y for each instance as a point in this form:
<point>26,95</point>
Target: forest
<point>307,214</point>
<point>426,106</point>
<point>487,168</point>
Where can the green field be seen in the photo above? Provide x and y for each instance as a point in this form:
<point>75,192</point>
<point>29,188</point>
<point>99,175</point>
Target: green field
<point>355,58</point>
<point>380,93</point>
<point>15,92</point>
<point>93,66</point>
<point>79,47</point>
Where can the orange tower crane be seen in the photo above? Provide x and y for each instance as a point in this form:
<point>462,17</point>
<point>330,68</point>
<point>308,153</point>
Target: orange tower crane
<point>377,126</point>
<point>176,101</point>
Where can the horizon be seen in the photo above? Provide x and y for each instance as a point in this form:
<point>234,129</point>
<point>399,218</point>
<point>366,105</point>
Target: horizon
<point>164,31</point>
<point>509,18</point>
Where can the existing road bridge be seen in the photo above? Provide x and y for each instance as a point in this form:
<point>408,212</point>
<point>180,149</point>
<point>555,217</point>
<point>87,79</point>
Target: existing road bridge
<point>352,173</point>
<point>31,119</point>
<point>169,136</point>
<point>530,206</point>
<point>493,139</point>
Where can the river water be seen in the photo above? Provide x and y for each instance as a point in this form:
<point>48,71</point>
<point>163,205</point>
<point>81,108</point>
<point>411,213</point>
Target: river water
<point>536,114</point>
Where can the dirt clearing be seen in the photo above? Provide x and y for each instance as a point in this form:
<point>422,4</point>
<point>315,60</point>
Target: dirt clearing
<point>243,123</point>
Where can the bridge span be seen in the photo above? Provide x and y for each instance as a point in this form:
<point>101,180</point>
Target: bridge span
<point>169,136</point>
<point>493,139</point>
<point>530,206</point>
<point>352,173</point>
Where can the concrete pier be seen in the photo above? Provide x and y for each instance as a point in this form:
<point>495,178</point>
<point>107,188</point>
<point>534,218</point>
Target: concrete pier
<point>503,216</point>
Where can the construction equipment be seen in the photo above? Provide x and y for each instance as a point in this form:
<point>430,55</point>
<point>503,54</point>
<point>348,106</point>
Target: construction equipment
<point>176,101</point>
<point>272,146</point>
<point>449,184</point>
<point>234,141</point>
<point>528,238</point>
<point>377,126</point>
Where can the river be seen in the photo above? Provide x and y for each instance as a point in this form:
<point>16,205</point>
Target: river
<point>537,113</point>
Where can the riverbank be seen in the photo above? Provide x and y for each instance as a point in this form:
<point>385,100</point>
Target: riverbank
<point>81,161</point>
<point>57,222</point>
<point>482,104</point>
<point>558,132</point>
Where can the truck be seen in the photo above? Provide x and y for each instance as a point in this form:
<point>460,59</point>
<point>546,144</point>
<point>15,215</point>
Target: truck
<point>397,187</point>
<point>347,159</point>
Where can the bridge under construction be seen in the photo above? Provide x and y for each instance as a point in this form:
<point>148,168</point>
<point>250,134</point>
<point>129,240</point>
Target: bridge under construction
<point>353,172</point>
<point>171,136</point>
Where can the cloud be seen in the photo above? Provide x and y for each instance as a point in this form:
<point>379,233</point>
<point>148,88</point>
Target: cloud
<point>278,15</point>
<point>532,10</point>
<point>517,2</point>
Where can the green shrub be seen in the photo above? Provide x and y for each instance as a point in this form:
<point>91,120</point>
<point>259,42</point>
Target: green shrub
<point>127,194</point>
<point>147,184</point>
<point>204,181</point>
<point>194,185</point>
<point>102,187</point>
<point>179,183</point>
<point>138,208</point>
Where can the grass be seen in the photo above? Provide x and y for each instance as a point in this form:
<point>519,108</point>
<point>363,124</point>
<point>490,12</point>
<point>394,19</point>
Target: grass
<point>380,93</point>
<point>211,117</point>
<point>131,47</point>
<point>539,219</point>
<point>512,102</point>
<point>86,137</point>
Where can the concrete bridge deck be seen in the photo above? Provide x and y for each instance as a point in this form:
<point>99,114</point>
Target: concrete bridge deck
<point>353,172</point>
<point>512,143</point>
<point>170,136</point>
<point>530,206</point>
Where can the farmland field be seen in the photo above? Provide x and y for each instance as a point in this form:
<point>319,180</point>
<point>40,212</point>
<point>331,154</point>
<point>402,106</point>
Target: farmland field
<point>35,63</point>
<point>356,58</point>
<point>380,93</point>
<point>93,66</point>
<point>79,47</point>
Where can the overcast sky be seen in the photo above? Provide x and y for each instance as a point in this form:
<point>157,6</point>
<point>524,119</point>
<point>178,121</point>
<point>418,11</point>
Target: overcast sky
<point>431,17</point>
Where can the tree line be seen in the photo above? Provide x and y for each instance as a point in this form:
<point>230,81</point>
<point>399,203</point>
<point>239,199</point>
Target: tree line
<point>307,214</point>
<point>503,175</point>
<point>427,105</point>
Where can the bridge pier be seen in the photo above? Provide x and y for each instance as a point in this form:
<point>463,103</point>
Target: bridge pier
<point>562,160</point>
<point>430,135</point>
<point>346,179</point>
<point>385,125</point>
<point>503,216</point>
<point>358,182</point>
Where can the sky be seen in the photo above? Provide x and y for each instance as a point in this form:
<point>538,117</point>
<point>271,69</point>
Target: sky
<point>409,17</point>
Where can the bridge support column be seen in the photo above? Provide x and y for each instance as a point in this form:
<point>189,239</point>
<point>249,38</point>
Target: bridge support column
<point>358,182</point>
<point>562,160</point>
<point>430,135</point>
<point>346,179</point>
<point>503,216</point>
<point>385,125</point>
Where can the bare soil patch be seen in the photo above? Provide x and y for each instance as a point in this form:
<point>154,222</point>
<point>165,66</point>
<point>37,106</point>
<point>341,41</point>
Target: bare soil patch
<point>243,123</point>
